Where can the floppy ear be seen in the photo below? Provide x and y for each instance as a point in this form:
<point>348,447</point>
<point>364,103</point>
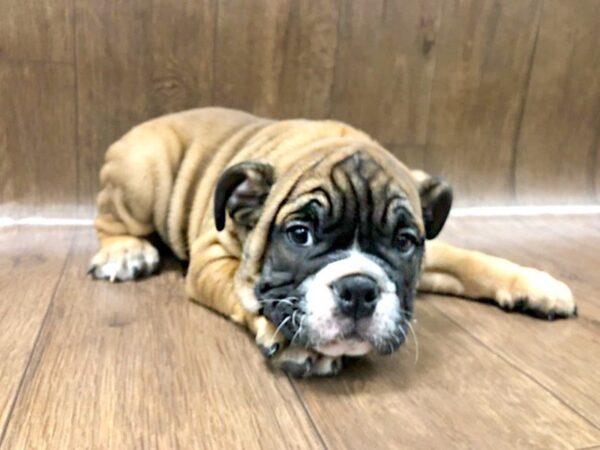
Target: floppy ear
<point>241,191</point>
<point>436,200</point>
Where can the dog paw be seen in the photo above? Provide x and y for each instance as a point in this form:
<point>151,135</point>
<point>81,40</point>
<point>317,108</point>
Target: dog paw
<point>124,259</point>
<point>303,363</point>
<point>299,362</point>
<point>539,294</point>
<point>267,338</point>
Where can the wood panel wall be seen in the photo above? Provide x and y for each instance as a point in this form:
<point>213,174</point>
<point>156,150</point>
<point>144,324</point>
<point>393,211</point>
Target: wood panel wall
<point>500,96</point>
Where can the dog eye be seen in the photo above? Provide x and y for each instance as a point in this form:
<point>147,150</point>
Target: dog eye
<point>406,242</point>
<point>300,235</point>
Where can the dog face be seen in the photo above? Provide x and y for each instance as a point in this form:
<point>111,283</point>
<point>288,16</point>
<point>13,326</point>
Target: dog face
<point>343,260</point>
<point>343,257</point>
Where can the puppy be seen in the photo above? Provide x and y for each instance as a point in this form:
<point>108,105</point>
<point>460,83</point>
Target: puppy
<point>309,233</point>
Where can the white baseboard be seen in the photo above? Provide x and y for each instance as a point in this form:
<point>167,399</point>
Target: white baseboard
<point>45,222</point>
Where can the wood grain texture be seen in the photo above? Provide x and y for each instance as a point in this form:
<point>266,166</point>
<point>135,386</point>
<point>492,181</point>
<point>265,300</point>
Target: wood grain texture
<point>27,254</point>
<point>137,60</point>
<point>502,98</point>
<point>39,30</point>
<point>311,43</point>
<point>556,158</point>
<point>597,191</point>
<point>136,365</point>
<point>113,86</point>
<point>248,60</point>
<point>139,366</point>
<point>181,40</point>
<point>37,139</point>
<point>483,60</point>
<point>275,58</point>
<point>561,356</point>
<point>383,71</point>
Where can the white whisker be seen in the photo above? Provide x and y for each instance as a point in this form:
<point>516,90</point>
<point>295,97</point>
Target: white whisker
<point>411,330</point>
<point>403,333</point>
<point>286,301</point>
<point>298,330</point>
<point>281,325</point>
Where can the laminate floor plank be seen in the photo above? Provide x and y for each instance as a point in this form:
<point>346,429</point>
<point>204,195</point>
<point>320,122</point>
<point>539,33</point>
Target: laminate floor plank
<point>563,356</point>
<point>30,269</point>
<point>137,365</point>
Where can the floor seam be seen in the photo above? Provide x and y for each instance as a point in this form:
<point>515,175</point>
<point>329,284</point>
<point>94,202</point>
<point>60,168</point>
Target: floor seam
<point>519,369</point>
<point>36,342</point>
<point>311,419</point>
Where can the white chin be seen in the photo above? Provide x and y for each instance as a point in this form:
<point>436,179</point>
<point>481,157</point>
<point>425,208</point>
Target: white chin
<point>350,347</point>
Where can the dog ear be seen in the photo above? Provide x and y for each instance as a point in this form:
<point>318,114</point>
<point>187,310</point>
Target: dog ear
<point>436,201</point>
<point>241,191</point>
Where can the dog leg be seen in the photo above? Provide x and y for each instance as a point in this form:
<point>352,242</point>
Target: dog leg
<point>451,270</point>
<point>136,182</point>
<point>124,254</point>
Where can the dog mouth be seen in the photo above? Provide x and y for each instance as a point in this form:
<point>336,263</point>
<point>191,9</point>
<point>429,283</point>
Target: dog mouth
<point>357,339</point>
<point>349,347</point>
<point>335,337</point>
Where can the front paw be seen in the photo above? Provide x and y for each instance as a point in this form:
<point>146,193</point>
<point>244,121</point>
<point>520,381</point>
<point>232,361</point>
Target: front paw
<point>537,293</point>
<point>303,363</point>
<point>267,338</point>
<point>298,362</point>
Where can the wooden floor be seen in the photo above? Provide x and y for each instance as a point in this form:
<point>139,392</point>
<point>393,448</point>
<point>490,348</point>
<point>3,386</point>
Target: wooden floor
<point>92,365</point>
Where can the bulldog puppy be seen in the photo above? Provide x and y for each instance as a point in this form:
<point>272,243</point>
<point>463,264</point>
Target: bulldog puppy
<point>309,233</point>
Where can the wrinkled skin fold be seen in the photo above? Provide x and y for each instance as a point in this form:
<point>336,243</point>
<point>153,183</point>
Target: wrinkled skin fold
<point>356,216</point>
<point>308,233</point>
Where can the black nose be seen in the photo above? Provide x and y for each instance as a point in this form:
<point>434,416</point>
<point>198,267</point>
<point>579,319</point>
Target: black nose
<point>356,295</point>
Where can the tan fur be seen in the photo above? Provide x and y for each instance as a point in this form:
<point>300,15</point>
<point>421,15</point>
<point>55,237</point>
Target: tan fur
<point>161,175</point>
<point>450,270</point>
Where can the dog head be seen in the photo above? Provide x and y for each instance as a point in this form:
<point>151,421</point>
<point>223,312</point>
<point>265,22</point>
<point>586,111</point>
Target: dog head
<point>334,258</point>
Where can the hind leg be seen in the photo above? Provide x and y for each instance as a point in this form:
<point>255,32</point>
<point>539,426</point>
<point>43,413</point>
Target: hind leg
<point>136,181</point>
<point>124,253</point>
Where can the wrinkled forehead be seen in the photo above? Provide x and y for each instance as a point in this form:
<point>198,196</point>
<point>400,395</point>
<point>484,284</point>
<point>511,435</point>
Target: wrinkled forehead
<point>358,188</point>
